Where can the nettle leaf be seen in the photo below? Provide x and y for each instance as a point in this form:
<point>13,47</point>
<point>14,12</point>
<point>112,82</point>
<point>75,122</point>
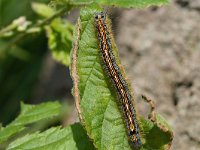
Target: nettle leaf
<point>72,137</point>
<point>59,35</point>
<point>96,99</point>
<point>125,3</point>
<point>115,3</point>
<point>42,9</point>
<point>30,114</point>
<point>133,3</point>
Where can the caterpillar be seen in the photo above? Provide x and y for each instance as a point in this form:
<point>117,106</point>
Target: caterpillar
<point>117,79</point>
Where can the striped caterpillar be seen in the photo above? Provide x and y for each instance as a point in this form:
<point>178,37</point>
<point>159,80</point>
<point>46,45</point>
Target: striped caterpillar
<point>121,86</point>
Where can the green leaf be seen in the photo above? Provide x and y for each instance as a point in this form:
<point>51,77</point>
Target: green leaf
<point>96,99</point>
<point>133,3</point>
<point>60,40</point>
<point>42,9</point>
<point>156,136</point>
<point>30,114</point>
<point>120,3</point>
<point>115,3</point>
<point>72,137</point>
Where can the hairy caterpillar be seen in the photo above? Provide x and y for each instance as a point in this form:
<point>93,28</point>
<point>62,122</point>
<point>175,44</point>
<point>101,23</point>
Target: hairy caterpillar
<point>119,82</point>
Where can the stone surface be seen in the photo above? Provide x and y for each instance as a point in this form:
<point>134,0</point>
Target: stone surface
<point>194,4</point>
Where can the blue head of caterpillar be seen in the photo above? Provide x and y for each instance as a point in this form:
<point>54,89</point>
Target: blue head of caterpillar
<point>100,15</point>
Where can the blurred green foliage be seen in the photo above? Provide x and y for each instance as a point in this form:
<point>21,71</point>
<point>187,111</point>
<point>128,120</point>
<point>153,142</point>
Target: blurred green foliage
<point>19,62</point>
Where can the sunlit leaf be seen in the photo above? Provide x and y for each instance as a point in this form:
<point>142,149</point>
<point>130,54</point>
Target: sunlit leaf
<point>30,114</point>
<point>60,40</point>
<point>72,137</point>
<point>42,9</point>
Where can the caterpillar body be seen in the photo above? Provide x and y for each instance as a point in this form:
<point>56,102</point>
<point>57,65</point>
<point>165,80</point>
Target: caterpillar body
<point>119,82</point>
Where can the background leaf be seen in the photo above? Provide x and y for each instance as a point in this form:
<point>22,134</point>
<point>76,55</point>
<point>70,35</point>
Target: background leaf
<point>60,40</point>
<point>59,33</point>
<point>72,137</point>
<point>31,114</point>
<point>120,3</point>
<point>133,3</point>
<point>42,9</point>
